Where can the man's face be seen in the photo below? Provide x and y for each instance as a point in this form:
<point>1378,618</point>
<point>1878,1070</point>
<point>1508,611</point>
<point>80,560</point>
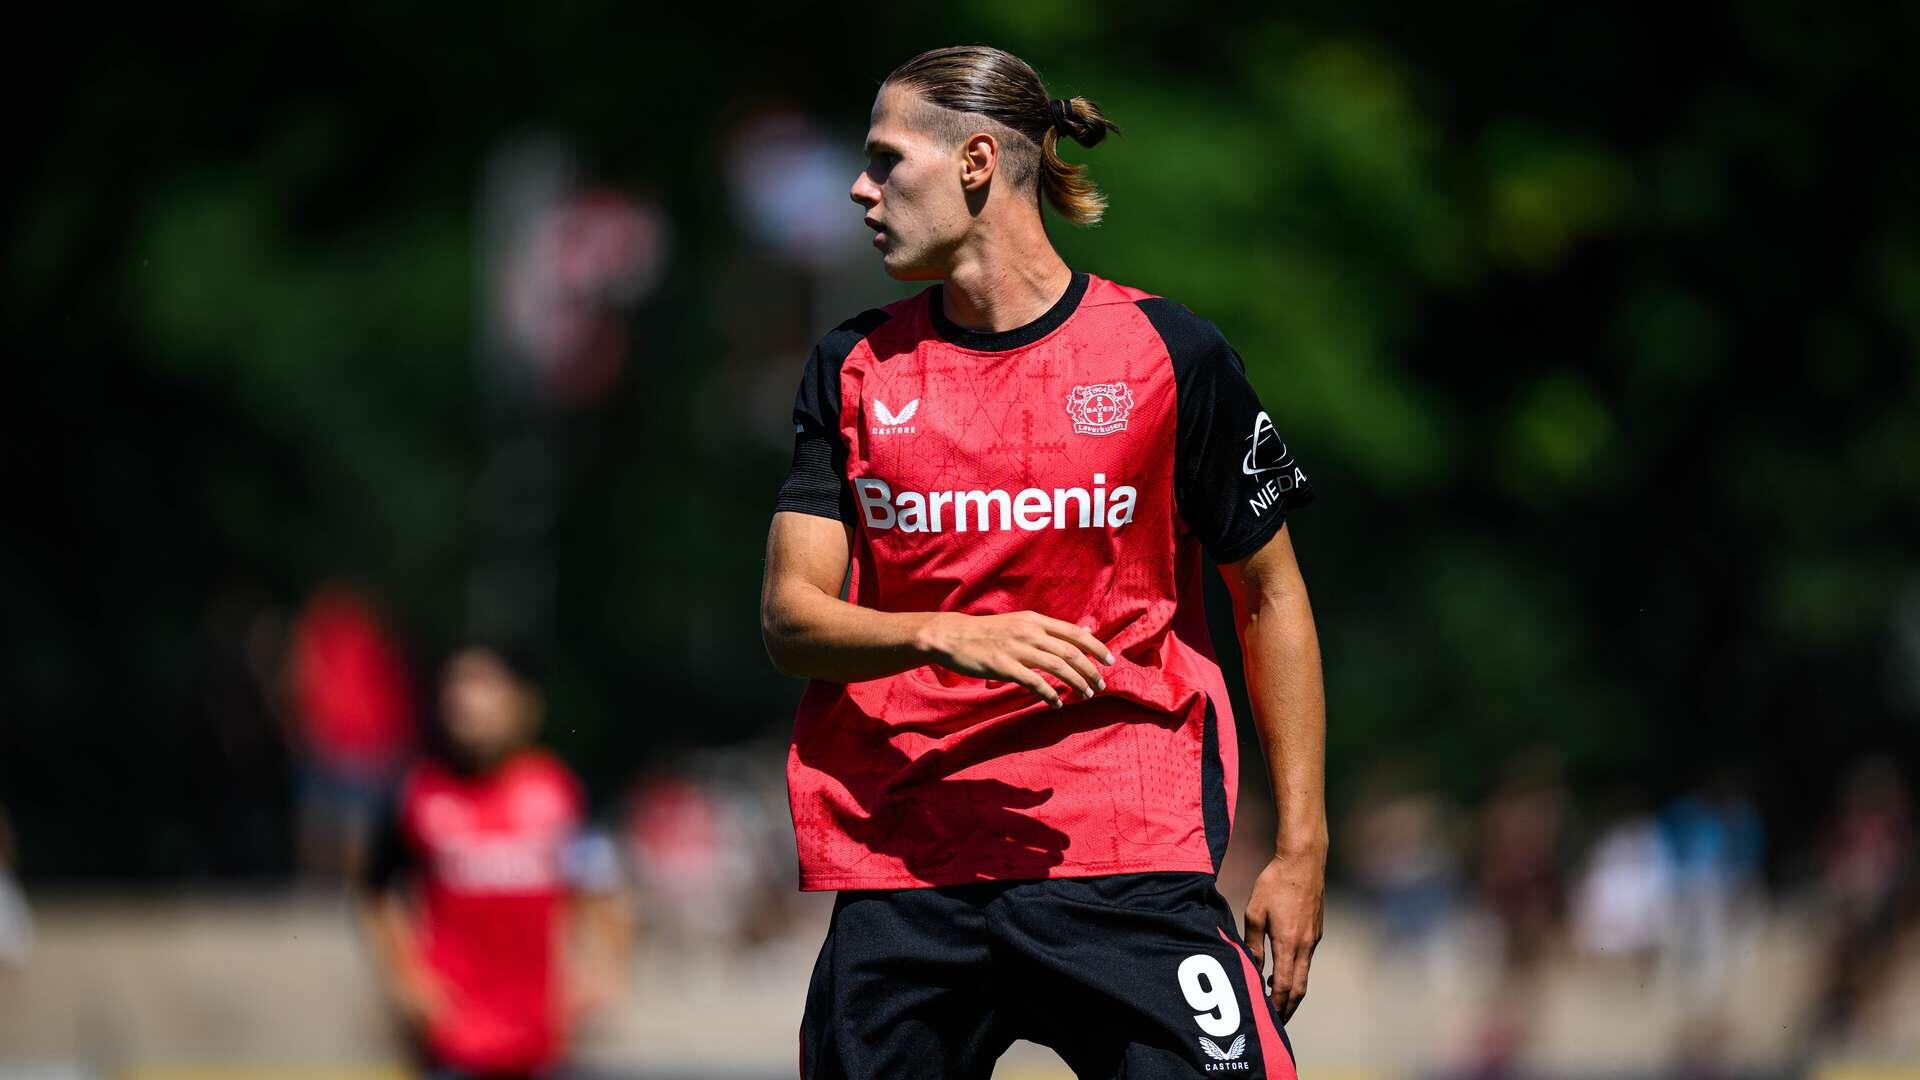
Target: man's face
<point>910,188</point>
<point>487,710</point>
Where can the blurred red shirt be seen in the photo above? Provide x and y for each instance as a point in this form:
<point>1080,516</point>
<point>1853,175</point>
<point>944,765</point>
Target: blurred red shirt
<point>350,684</point>
<point>489,856</point>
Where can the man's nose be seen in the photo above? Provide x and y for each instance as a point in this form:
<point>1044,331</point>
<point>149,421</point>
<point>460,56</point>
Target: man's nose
<point>864,190</point>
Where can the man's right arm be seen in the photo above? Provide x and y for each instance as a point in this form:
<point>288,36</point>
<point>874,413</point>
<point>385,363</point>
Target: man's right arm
<point>810,632</point>
<point>410,986</point>
<point>388,924</point>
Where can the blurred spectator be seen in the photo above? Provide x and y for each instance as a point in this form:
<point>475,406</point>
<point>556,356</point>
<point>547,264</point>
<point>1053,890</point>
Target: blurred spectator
<point>354,704</point>
<point>16,920</point>
<point>693,858</point>
<point>751,778</point>
<point>1717,843</point>
<point>1522,886</point>
<point>1406,862</point>
<point>496,918</point>
<point>240,764</point>
<point>569,281</point>
<point>1867,877</point>
<point>1521,882</point>
<point>1623,907</point>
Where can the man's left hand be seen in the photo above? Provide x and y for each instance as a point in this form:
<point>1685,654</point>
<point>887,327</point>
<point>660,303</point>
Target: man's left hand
<point>1285,910</point>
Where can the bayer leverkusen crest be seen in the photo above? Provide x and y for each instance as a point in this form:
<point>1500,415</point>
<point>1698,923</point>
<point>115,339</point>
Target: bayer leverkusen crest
<point>1101,408</point>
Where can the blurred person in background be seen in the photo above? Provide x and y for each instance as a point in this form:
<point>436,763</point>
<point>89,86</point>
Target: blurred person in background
<point>353,700</point>
<point>16,919</point>
<point>1522,831</point>
<point>1522,885</point>
<point>1623,901</point>
<point>1406,860</point>
<point>1016,760</point>
<point>1868,882</point>
<point>495,916</point>
<point>242,769</point>
<point>758,769</point>
<point>1717,843</point>
<point>711,849</point>
<point>693,862</point>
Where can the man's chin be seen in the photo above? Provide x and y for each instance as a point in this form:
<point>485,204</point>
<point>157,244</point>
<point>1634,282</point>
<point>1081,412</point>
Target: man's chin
<point>901,268</point>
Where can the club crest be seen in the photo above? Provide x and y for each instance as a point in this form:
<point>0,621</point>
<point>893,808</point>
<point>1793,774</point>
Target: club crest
<point>1100,408</point>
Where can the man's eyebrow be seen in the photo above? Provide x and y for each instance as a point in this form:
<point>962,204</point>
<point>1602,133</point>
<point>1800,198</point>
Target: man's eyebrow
<point>880,146</point>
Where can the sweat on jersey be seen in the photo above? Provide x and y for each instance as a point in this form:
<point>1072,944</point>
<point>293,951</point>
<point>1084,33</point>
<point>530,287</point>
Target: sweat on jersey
<point>1077,466</point>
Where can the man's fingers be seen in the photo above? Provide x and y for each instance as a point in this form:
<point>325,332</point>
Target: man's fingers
<point>1060,669</point>
<point>1066,652</point>
<point>1014,671</point>
<point>1297,992</point>
<point>1282,993</point>
<point>1081,638</point>
<point>1256,936</point>
<point>1290,968</point>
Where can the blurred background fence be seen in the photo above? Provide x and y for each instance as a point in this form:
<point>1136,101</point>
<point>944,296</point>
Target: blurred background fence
<point>341,332</point>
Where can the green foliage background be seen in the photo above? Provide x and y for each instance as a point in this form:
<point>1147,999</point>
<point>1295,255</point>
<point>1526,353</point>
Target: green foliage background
<point>1598,328</point>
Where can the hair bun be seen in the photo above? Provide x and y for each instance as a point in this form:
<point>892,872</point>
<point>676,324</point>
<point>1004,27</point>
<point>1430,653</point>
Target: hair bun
<point>1068,120</point>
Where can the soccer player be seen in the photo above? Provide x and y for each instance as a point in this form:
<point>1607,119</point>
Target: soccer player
<point>1015,759</point>
<point>489,838</point>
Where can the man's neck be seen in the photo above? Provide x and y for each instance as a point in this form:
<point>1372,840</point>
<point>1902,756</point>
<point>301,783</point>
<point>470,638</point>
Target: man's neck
<point>999,290</point>
<point>474,767</point>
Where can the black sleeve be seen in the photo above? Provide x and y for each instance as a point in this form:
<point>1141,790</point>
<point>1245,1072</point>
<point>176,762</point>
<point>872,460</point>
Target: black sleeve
<point>1234,478</point>
<point>388,855</point>
<point>817,483</point>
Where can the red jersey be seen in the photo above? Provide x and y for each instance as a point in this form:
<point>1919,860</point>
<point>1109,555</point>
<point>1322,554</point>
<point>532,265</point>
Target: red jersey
<point>350,685</point>
<point>1078,466</point>
<point>490,861</point>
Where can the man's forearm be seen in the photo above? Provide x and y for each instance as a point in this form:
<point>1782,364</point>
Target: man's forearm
<point>809,631</point>
<point>1282,658</point>
<point>812,635</point>
<point>390,933</point>
<point>602,950</point>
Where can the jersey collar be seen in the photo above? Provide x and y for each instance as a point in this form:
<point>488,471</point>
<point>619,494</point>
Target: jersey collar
<point>1019,336</point>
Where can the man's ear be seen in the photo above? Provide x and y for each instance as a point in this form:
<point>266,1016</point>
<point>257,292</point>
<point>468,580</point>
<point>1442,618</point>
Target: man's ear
<point>979,159</point>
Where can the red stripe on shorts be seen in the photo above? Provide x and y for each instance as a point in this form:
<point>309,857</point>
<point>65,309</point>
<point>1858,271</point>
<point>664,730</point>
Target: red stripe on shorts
<point>1272,1050</point>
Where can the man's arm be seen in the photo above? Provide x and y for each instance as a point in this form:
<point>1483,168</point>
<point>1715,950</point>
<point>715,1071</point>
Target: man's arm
<point>602,948</point>
<point>1281,652</point>
<point>387,922</point>
<point>599,919</point>
<point>809,631</point>
<point>388,925</point>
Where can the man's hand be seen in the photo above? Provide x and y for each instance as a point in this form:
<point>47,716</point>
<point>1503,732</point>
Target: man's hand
<point>421,997</point>
<point>418,993</point>
<point>592,991</point>
<point>1285,909</point>
<point>1011,647</point>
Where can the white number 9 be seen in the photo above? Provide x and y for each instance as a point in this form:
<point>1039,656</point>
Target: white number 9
<point>1204,982</point>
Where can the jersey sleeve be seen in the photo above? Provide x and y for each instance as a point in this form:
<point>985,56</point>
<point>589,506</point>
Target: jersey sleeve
<point>1235,478</point>
<point>817,481</point>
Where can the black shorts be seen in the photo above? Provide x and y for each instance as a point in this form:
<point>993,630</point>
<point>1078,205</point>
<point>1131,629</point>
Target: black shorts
<point>1123,975</point>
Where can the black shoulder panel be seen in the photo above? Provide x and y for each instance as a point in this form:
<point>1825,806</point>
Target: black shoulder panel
<point>817,482</point>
